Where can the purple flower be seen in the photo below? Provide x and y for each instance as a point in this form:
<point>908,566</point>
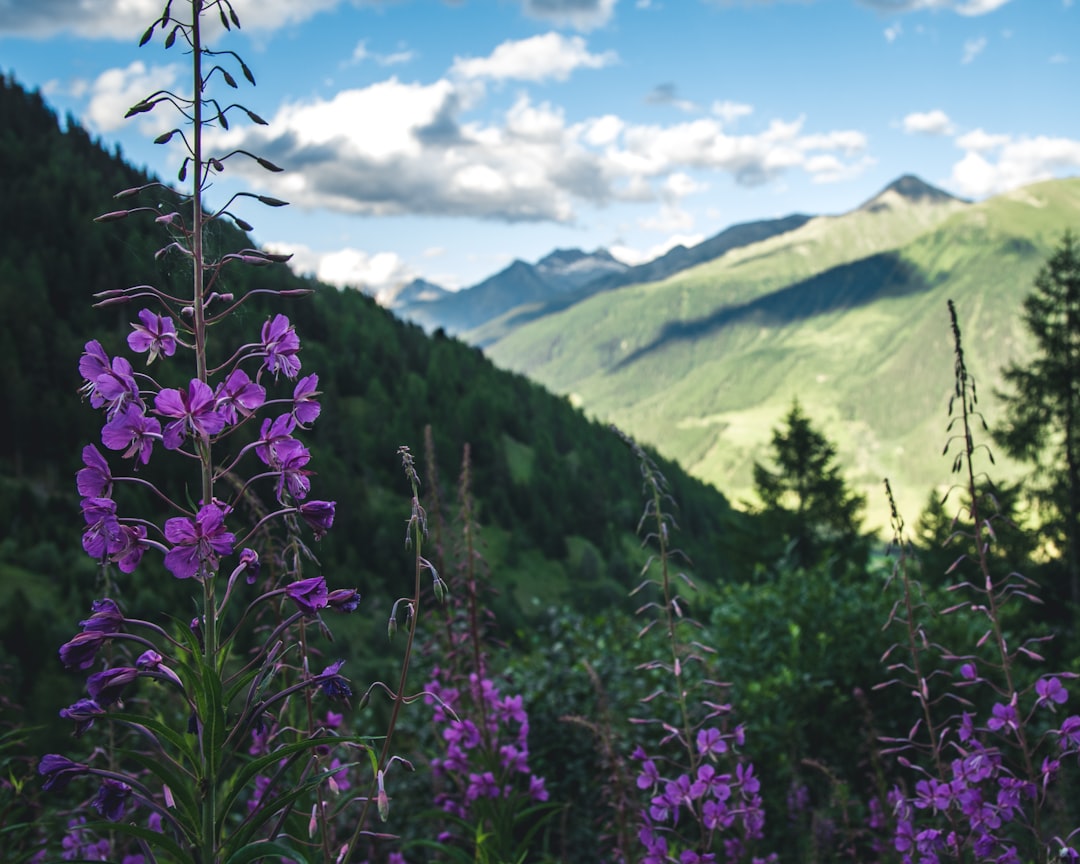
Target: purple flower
<point>102,534</point>
<point>1003,717</point>
<point>274,438</point>
<point>193,409</point>
<point>131,550</point>
<point>105,617</point>
<point>249,561</point>
<point>1070,731</point>
<point>536,788</point>
<point>309,595</point>
<point>58,771</point>
<point>281,345</point>
<point>710,743</point>
<point>108,383</point>
<point>1051,690</point>
<point>482,786</point>
<point>343,599</point>
<point>319,516</point>
<point>107,686</point>
<point>197,543</point>
<point>305,408</point>
<point>95,480</point>
<point>156,334</point>
<point>131,428</point>
<point>649,776</point>
<point>111,799</point>
<point>83,713</point>
<point>82,650</point>
<point>294,476</point>
<point>238,396</point>
<point>333,685</point>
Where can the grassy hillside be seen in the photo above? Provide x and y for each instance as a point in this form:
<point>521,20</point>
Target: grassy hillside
<point>847,313</point>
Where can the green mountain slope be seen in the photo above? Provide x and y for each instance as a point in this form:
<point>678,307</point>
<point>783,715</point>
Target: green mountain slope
<point>846,313</point>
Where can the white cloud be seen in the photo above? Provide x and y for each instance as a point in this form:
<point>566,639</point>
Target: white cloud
<point>973,48</point>
<point>128,19</point>
<point>428,155</point>
<point>997,163</point>
<point>114,91</point>
<point>349,268</point>
<point>729,112</point>
<point>969,8</point>
<point>361,53</point>
<point>580,14</point>
<point>537,58</point>
<point>633,255</point>
<point>893,32</point>
<point>934,122</point>
<point>1058,58</point>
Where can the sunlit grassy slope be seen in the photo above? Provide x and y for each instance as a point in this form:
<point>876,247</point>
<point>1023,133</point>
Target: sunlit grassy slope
<point>847,313</point>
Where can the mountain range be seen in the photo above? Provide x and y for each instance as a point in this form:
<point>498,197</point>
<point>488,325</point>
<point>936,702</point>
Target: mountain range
<point>845,313</point>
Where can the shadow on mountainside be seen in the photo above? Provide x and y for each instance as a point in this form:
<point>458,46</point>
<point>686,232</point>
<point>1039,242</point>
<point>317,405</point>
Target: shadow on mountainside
<point>846,287</point>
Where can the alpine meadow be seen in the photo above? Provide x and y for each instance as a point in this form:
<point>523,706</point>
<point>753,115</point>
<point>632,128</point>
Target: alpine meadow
<point>763,548</point>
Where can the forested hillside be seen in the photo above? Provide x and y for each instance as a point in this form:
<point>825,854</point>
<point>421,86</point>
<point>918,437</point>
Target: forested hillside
<point>559,496</point>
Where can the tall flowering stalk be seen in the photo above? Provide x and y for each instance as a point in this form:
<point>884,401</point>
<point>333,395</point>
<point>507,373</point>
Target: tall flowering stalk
<point>702,801</point>
<point>492,803</point>
<point>219,732</point>
<point>984,753</point>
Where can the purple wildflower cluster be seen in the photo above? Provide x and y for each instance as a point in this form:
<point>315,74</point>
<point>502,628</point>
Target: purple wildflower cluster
<point>485,758</point>
<point>715,802</point>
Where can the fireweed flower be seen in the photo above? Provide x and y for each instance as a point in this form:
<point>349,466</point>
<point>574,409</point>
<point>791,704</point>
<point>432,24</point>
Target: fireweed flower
<point>109,384</point>
<point>1003,717</point>
<point>319,516</point>
<point>95,480</point>
<point>194,410</point>
<point>333,685</point>
<point>305,408</point>
<point>102,534</point>
<point>108,686</point>
<point>112,799</point>
<point>198,543</point>
<point>343,599</point>
<point>238,396</point>
<point>309,595</point>
<point>132,429</point>
<point>1051,690</point>
<point>83,713</point>
<point>155,333</point>
<point>294,476</point>
<point>129,553</point>
<point>274,438</point>
<point>58,771</point>
<point>82,650</point>
<point>281,345</point>
<point>105,617</point>
<point>710,743</point>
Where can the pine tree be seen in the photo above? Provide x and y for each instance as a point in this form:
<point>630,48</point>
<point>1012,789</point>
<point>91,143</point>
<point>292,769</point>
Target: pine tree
<point>806,496</point>
<point>1042,403</point>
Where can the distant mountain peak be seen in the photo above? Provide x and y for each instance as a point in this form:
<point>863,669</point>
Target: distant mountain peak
<point>908,189</point>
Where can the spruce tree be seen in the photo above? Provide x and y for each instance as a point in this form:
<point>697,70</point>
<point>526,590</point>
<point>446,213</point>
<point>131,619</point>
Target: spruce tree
<point>1042,401</point>
<point>806,496</point>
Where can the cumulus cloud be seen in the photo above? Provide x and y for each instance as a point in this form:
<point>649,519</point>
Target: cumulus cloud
<point>973,48</point>
<point>582,15</point>
<point>349,268</point>
<point>997,163</point>
<point>428,155</point>
<point>114,91</point>
<point>537,58</point>
<point>361,53</point>
<point>128,19</point>
<point>934,122</point>
<point>633,255</point>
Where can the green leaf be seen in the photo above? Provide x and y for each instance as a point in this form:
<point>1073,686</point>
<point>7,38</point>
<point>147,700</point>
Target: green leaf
<point>255,851</point>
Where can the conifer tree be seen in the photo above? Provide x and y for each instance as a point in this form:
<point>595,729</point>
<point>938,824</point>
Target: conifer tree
<point>806,496</point>
<point>1042,401</point>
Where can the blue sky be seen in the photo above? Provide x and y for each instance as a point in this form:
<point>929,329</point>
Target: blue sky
<point>439,139</point>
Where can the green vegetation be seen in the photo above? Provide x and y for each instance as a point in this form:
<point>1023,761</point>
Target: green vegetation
<point>845,313</point>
